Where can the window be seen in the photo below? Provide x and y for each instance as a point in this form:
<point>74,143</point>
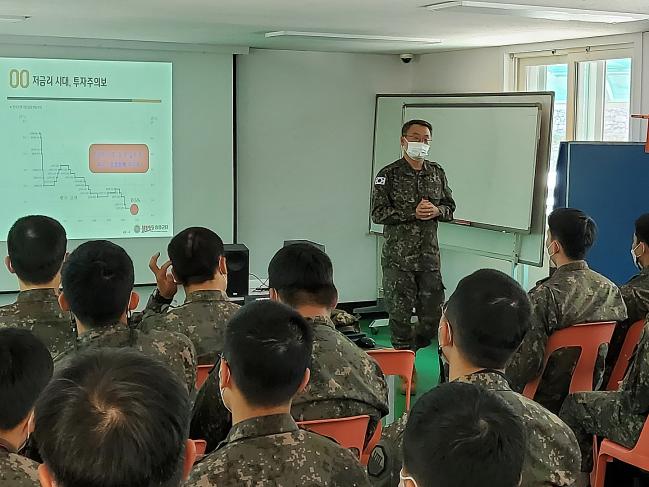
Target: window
<point>592,96</point>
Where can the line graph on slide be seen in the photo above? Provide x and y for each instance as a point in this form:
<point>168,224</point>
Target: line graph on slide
<point>94,152</point>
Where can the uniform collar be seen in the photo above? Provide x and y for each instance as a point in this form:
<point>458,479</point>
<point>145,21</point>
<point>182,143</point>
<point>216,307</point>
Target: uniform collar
<point>579,265</point>
<point>37,296</point>
<point>489,379</point>
<point>425,168</point>
<point>206,295</point>
<point>5,447</point>
<point>644,272</point>
<point>321,321</point>
<point>261,426</point>
<point>93,333</point>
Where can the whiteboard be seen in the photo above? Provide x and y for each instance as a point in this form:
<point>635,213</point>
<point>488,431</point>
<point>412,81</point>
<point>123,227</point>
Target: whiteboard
<point>489,155</point>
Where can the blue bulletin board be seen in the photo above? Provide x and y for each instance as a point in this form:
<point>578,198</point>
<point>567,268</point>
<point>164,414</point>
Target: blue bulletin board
<point>610,182</point>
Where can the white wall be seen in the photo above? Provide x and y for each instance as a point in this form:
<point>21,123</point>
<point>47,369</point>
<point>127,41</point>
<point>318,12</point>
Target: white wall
<point>305,129</point>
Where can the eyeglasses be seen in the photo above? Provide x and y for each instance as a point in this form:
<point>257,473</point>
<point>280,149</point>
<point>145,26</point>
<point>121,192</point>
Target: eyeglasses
<point>403,478</point>
<point>416,138</point>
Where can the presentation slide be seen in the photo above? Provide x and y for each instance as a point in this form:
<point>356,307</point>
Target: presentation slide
<point>88,143</point>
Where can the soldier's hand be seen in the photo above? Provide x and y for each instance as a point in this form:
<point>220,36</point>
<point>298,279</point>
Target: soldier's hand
<point>165,281</point>
<point>426,210</point>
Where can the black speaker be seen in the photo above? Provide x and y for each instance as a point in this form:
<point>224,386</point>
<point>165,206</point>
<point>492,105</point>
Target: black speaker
<point>237,258</point>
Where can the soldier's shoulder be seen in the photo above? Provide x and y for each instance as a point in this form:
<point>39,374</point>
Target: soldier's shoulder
<point>173,338</point>
<point>543,422</point>
<point>391,168</point>
<point>18,471</point>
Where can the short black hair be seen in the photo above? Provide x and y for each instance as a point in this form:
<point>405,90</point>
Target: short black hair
<point>642,228</point>
<point>36,246</point>
<point>97,281</point>
<point>464,435</point>
<point>410,123</point>
<point>195,254</point>
<point>489,314</point>
<point>574,229</point>
<point>25,369</point>
<point>113,417</point>
<point>268,348</point>
<point>303,274</point>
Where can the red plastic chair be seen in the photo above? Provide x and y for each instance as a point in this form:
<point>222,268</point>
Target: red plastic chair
<point>622,364</point>
<point>588,337</point>
<point>201,446</point>
<point>396,362</point>
<point>202,371</point>
<point>347,432</point>
<point>638,456</point>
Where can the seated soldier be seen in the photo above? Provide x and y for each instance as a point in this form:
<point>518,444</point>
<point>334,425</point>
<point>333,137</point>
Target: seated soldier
<point>25,369</point>
<point>113,418</point>
<point>345,381</point>
<point>461,435</point>
<point>573,295</point>
<point>98,282</point>
<point>197,262</point>
<point>635,293</point>
<point>265,364</point>
<point>482,325</point>
<point>37,248</point>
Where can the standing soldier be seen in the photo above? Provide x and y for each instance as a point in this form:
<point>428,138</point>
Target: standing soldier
<point>410,196</point>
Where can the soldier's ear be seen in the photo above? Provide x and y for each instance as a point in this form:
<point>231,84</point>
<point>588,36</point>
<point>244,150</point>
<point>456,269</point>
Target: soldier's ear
<point>305,380</point>
<point>223,265</point>
<point>273,295</point>
<point>10,268</point>
<point>45,476</point>
<point>134,301</point>
<point>190,458</point>
<point>63,302</point>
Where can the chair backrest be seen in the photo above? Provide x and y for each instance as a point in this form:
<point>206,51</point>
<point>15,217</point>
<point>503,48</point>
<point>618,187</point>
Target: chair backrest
<point>588,337</point>
<point>347,432</point>
<point>396,362</point>
<point>622,364</point>
<point>201,446</point>
<point>202,371</point>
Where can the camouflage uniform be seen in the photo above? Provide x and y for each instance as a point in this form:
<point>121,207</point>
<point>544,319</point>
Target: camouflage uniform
<point>636,297</point>
<point>573,295</point>
<point>202,318</point>
<point>271,450</point>
<point>173,349</point>
<point>619,415</point>
<point>411,263</point>
<point>345,381</point>
<point>552,457</point>
<point>38,311</point>
<point>16,470</point>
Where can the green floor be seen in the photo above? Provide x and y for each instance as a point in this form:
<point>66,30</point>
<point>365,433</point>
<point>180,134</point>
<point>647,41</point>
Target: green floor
<point>426,364</point>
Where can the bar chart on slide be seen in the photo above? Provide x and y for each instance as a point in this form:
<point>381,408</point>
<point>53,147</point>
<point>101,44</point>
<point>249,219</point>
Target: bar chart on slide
<point>88,143</point>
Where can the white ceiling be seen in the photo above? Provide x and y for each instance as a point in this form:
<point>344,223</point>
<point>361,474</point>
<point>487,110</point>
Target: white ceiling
<point>244,22</point>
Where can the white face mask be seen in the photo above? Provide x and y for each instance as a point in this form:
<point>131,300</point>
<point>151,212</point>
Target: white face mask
<point>403,478</point>
<point>636,258</point>
<point>551,254</point>
<point>417,150</point>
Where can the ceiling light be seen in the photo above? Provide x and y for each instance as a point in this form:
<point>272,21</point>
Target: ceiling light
<point>355,37</point>
<point>539,12</point>
<point>13,18</point>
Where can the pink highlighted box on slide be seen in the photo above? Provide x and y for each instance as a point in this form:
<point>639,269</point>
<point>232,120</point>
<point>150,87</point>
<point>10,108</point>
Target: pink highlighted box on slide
<point>119,158</point>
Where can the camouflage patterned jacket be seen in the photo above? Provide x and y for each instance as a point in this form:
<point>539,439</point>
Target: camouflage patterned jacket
<point>271,450</point>
<point>345,381</point>
<point>38,311</point>
<point>202,318</point>
<point>552,458</point>
<point>573,295</point>
<point>635,386</point>
<point>16,470</point>
<point>636,296</point>
<point>410,244</point>
<point>173,349</point>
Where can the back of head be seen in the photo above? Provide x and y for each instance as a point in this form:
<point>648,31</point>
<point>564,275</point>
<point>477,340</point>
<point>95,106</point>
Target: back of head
<point>97,281</point>
<point>461,435</point>
<point>642,229</point>
<point>195,254</point>
<point>268,349</point>
<point>303,274</point>
<point>113,417</point>
<point>575,231</point>
<point>489,314</point>
<point>25,369</point>
<point>36,246</point>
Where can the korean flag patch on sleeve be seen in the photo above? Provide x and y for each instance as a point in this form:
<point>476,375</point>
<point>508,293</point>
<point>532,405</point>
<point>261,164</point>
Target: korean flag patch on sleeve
<point>380,181</point>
